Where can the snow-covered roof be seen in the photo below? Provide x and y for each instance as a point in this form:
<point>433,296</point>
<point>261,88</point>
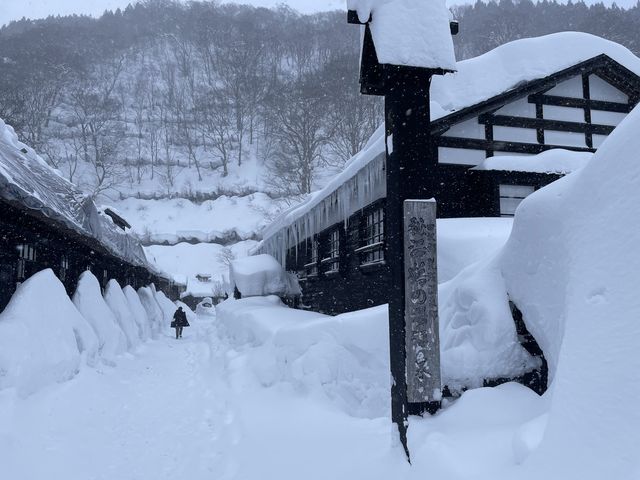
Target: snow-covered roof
<point>477,80</point>
<point>27,180</point>
<point>412,33</point>
<point>557,160</point>
<point>509,65</point>
<point>261,275</point>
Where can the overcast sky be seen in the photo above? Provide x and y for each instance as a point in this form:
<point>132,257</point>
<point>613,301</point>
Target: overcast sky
<point>16,9</point>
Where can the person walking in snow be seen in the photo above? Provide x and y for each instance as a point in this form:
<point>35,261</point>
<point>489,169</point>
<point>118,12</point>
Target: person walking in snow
<point>179,322</point>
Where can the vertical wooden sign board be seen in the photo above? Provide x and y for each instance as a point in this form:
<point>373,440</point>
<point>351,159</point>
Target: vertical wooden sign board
<point>421,306</point>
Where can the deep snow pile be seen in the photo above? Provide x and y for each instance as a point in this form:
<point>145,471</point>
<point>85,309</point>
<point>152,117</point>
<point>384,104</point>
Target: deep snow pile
<point>117,302</point>
<point>571,266</point>
<point>89,302</point>
<point>343,358</point>
<point>138,313</point>
<point>42,336</point>
<point>261,275</point>
<point>154,312</point>
<point>464,241</point>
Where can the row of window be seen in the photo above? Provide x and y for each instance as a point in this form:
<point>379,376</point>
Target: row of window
<point>324,252</point>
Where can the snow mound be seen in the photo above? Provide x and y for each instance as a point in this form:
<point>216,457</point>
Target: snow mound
<point>154,313</point>
<point>571,266</point>
<point>89,302</point>
<point>42,336</point>
<point>343,359</point>
<point>167,306</point>
<point>464,241</point>
<point>117,302</point>
<point>261,275</point>
<point>138,312</point>
<point>478,339</point>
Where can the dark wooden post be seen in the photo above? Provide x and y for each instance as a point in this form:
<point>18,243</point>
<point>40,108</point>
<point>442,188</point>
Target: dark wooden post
<point>412,173</point>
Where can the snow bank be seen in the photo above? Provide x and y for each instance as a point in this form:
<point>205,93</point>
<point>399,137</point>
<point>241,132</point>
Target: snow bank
<point>557,160</point>
<point>343,359</point>
<point>42,336</point>
<point>571,266</point>
<point>464,241</point>
<point>478,338</point>
<point>406,32</point>
<point>89,302</point>
<point>167,307</point>
<point>154,313</point>
<point>138,312</point>
<point>261,275</point>
<point>117,302</point>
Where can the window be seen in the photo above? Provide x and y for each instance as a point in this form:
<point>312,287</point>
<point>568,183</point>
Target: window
<point>311,266</point>
<point>26,253</point>
<point>372,249</point>
<point>331,262</point>
<point>511,196</point>
<point>64,266</point>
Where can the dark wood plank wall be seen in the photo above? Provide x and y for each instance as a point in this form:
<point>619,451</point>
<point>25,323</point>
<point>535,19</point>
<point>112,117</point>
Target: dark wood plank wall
<point>52,242</point>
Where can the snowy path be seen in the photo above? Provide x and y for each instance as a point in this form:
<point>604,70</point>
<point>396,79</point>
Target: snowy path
<point>193,409</point>
<point>154,416</point>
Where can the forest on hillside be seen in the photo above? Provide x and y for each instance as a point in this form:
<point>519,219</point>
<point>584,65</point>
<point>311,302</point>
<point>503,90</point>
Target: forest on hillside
<point>160,87</point>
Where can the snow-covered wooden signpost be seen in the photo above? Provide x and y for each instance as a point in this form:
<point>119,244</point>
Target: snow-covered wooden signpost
<point>405,43</point>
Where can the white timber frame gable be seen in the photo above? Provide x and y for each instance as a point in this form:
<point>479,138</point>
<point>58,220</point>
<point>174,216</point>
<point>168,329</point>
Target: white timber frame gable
<point>575,109</point>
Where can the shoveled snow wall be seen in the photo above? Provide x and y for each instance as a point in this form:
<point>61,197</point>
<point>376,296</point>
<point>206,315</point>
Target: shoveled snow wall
<point>89,302</point>
<point>42,336</point>
<point>117,302</point>
<point>571,266</point>
<point>138,312</point>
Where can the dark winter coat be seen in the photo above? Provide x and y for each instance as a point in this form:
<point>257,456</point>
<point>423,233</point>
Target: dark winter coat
<point>180,319</point>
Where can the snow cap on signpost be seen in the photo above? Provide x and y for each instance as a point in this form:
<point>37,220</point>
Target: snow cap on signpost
<point>400,34</point>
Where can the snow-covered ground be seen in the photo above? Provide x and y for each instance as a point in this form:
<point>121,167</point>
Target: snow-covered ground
<point>279,394</point>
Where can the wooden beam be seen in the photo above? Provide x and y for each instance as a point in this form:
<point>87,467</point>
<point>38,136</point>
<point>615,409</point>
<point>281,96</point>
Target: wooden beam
<point>535,123</point>
<point>559,101</point>
<point>501,146</point>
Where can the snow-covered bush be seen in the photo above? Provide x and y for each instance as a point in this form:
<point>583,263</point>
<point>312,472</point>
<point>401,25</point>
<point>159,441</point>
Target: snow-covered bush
<point>89,302</point>
<point>117,302</point>
<point>138,312</point>
<point>42,336</point>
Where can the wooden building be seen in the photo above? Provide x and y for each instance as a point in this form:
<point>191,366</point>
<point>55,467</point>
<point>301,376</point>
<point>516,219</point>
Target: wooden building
<point>565,91</point>
<point>46,222</point>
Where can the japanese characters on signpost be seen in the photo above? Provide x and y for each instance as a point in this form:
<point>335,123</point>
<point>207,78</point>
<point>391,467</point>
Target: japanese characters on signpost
<point>405,43</point>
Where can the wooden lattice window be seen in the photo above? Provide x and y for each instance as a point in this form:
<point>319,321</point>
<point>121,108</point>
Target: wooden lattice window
<point>64,266</point>
<point>311,265</point>
<point>372,249</point>
<point>26,253</point>
<point>511,196</point>
<point>331,261</point>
